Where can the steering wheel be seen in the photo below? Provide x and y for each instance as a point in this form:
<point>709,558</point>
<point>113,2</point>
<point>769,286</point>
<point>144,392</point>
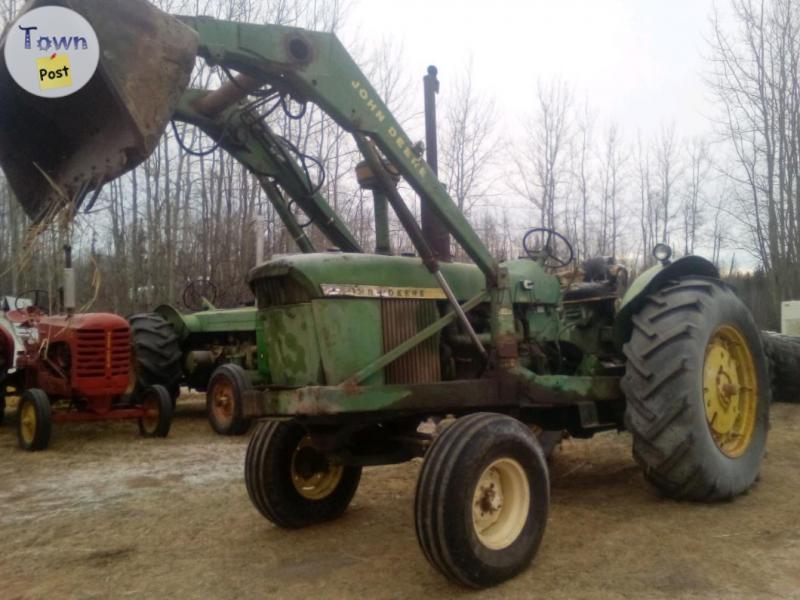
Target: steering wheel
<point>547,250</point>
<point>196,292</point>
<point>37,303</point>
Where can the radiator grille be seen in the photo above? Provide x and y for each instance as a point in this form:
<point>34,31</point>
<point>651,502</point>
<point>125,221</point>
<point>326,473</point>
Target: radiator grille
<point>102,353</point>
<point>402,319</point>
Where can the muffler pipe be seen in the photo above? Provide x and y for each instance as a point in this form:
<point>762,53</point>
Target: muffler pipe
<point>69,283</point>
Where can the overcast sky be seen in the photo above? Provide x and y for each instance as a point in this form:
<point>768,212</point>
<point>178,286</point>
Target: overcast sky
<point>640,62</point>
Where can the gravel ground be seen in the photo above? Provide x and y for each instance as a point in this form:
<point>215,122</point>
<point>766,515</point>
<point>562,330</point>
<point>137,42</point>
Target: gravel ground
<point>105,514</point>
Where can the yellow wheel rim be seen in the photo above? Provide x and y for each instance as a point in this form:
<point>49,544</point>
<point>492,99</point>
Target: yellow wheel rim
<point>27,422</point>
<point>313,476</point>
<point>501,503</point>
<point>730,391</point>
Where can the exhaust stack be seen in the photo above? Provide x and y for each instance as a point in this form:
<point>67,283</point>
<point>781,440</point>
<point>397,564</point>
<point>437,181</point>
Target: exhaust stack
<point>259,225</point>
<point>70,301</point>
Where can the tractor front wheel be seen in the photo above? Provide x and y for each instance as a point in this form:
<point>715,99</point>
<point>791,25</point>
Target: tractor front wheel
<point>224,398</point>
<point>698,391</point>
<point>290,482</point>
<point>35,420</point>
<point>156,402</point>
<point>482,500</point>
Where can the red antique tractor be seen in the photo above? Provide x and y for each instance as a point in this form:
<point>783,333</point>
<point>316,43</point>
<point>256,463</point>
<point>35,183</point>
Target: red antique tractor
<point>73,367</point>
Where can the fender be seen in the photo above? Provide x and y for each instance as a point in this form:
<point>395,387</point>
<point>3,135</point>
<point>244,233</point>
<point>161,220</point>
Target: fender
<point>178,320</point>
<point>651,280</point>
<point>8,350</point>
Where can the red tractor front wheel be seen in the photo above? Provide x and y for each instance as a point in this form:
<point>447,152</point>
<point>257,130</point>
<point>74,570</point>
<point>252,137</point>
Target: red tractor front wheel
<point>35,420</point>
<point>157,419</point>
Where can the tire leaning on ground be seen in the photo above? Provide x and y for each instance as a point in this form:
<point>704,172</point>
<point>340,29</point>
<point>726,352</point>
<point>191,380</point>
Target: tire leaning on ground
<point>290,482</point>
<point>482,500</point>
<point>698,391</point>
<point>35,420</point>
<point>783,354</point>
<point>157,403</point>
<point>224,400</point>
<point>157,353</point>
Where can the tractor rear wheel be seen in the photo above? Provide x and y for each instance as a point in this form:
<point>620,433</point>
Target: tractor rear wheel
<point>224,400</point>
<point>698,391</point>
<point>290,482</point>
<point>35,420</point>
<point>157,354</point>
<point>482,500</point>
<point>783,354</point>
<point>157,404</point>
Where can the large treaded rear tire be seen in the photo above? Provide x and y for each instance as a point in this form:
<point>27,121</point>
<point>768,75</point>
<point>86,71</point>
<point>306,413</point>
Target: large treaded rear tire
<point>157,353</point>
<point>445,502</point>
<point>268,474</point>
<point>663,385</point>
<point>783,353</point>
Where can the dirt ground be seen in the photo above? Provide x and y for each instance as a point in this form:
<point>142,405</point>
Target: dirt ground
<point>105,514</point>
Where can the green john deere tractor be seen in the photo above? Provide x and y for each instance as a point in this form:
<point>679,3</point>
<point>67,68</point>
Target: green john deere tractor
<point>203,349</point>
<point>199,350</point>
<point>379,359</point>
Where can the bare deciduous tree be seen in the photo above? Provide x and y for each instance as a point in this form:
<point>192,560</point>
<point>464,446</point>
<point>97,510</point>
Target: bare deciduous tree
<point>541,165</point>
<point>755,52</point>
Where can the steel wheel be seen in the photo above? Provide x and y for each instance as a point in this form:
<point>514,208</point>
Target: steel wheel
<point>501,503</point>
<point>156,404</point>
<point>292,483</point>
<point>697,388</point>
<point>27,423</point>
<point>313,476</point>
<point>222,402</point>
<point>482,499</point>
<point>34,420</point>
<point>152,410</point>
<point>730,391</point>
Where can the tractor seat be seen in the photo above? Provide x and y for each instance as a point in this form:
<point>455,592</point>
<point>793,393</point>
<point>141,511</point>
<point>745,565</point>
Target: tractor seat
<point>590,291</point>
<point>18,317</point>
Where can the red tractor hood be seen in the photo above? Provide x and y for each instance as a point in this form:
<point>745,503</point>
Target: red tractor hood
<point>103,321</point>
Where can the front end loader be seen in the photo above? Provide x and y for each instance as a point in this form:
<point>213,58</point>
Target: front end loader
<point>379,359</point>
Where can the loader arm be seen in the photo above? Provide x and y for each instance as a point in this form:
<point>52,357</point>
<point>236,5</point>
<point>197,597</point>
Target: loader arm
<point>135,96</point>
<point>256,146</point>
<point>53,158</point>
<point>314,66</point>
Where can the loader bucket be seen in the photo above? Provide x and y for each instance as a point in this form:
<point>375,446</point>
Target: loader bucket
<point>111,125</point>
